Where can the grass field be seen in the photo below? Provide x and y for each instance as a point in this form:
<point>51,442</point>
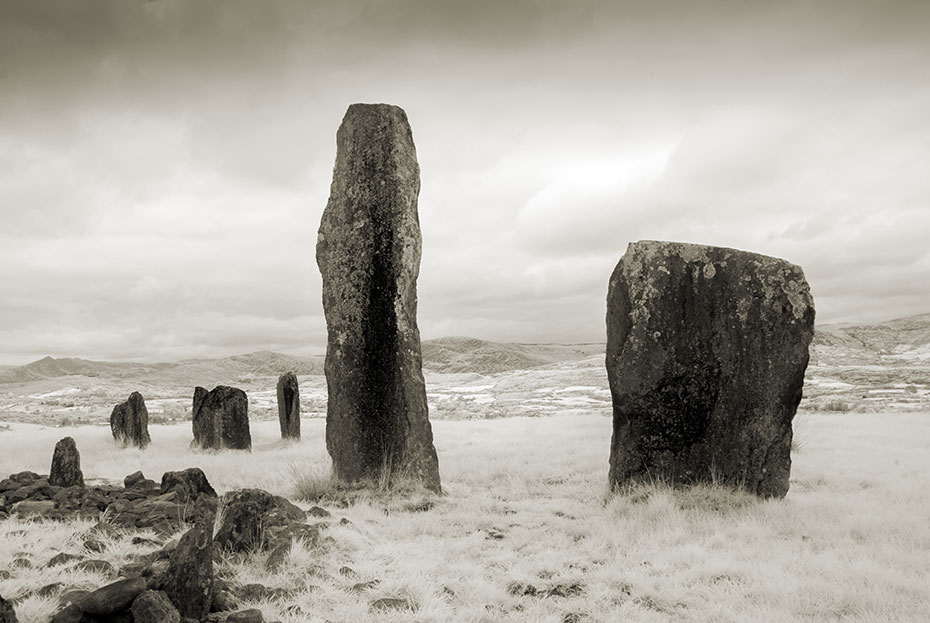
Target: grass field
<point>525,530</point>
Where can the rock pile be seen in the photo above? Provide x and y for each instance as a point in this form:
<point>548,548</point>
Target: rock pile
<point>176,582</point>
<point>184,589</point>
<point>368,251</point>
<point>706,353</point>
<point>129,422</point>
<point>221,418</point>
<point>289,406</point>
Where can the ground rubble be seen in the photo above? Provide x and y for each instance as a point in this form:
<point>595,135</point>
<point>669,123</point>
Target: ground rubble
<point>176,582</point>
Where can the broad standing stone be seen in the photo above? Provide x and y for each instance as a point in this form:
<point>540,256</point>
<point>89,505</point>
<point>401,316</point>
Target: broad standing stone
<point>368,251</point>
<point>129,422</point>
<point>66,465</point>
<point>289,406</point>
<point>221,418</point>
<point>706,353</point>
<point>189,579</point>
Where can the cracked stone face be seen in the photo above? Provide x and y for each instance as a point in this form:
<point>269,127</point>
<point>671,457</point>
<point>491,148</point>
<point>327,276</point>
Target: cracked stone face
<point>706,353</point>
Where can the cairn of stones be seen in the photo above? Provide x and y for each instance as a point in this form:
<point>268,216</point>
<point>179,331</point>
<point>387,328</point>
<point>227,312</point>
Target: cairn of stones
<point>368,250</point>
<point>129,422</point>
<point>706,353</point>
<point>289,406</point>
<point>221,419</point>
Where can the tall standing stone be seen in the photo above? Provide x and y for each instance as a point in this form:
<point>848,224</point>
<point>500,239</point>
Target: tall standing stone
<point>66,465</point>
<point>706,353</point>
<point>289,406</point>
<point>129,422</point>
<point>221,418</point>
<point>368,251</point>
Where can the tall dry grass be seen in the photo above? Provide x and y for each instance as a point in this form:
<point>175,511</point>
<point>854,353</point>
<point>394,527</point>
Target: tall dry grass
<point>526,530</point>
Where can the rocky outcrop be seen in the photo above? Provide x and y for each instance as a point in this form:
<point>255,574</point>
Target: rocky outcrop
<point>66,465</point>
<point>289,406</point>
<point>221,419</point>
<point>706,353</point>
<point>368,251</point>
<point>129,422</point>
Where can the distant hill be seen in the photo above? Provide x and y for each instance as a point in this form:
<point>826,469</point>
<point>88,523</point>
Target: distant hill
<point>901,340</point>
<point>463,354</point>
<point>197,371</point>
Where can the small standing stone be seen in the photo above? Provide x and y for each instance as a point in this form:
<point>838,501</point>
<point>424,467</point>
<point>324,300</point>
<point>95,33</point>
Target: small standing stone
<point>129,422</point>
<point>221,418</point>
<point>706,353</point>
<point>289,406</point>
<point>66,465</point>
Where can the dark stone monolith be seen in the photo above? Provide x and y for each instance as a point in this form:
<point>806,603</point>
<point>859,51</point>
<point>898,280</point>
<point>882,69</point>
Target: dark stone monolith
<point>289,406</point>
<point>368,251</point>
<point>221,418</point>
<point>129,422</point>
<point>66,465</point>
<point>706,353</point>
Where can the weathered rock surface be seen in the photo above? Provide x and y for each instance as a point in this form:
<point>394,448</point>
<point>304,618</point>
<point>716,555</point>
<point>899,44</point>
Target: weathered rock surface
<point>189,579</point>
<point>289,406</point>
<point>154,607</point>
<point>254,519</point>
<point>221,418</point>
<point>7,613</point>
<point>113,598</point>
<point>706,353</point>
<point>189,484</point>
<point>129,422</point>
<point>66,465</point>
<point>368,250</point>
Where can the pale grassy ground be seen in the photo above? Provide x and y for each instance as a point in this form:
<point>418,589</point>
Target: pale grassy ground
<point>525,503</point>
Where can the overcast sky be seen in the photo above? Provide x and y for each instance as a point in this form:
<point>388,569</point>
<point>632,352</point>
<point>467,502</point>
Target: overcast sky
<point>164,164</point>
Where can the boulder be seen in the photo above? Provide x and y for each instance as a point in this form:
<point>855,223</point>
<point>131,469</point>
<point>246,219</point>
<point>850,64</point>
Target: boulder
<point>368,251</point>
<point>706,353</point>
<point>129,422</point>
<point>289,406</point>
<point>189,484</point>
<point>66,465</point>
<point>189,579</point>
<point>154,607</point>
<point>252,518</point>
<point>113,598</point>
<point>221,419</point>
